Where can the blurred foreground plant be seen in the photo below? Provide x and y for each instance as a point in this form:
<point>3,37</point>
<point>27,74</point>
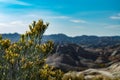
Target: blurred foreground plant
<point>25,59</point>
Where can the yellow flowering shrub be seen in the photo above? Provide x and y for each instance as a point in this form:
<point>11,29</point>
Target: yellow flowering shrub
<point>48,73</point>
<point>25,59</point>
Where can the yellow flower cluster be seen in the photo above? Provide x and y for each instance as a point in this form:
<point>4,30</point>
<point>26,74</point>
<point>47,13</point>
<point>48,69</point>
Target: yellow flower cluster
<point>5,43</point>
<point>27,65</point>
<point>48,73</point>
<point>23,60</point>
<point>45,48</point>
<point>30,42</point>
<point>10,56</point>
<point>12,53</point>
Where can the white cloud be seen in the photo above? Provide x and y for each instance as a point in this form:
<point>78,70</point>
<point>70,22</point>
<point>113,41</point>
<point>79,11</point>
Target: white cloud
<point>13,26</point>
<point>48,16</point>
<point>16,23</point>
<point>112,26</point>
<point>3,25</point>
<point>15,2</point>
<point>117,17</point>
<point>78,21</point>
<point>59,17</point>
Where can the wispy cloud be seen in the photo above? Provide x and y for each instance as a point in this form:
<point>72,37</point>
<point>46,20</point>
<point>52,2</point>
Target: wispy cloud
<point>18,2</point>
<point>78,21</point>
<point>117,17</point>
<point>13,26</point>
<point>112,27</point>
<point>59,17</point>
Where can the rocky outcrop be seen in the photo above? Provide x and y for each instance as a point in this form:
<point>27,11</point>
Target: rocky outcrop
<point>90,74</point>
<point>110,73</point>
<point>114,69</point>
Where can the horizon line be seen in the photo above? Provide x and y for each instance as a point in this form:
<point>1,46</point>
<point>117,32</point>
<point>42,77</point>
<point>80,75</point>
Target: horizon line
<point>68,35</point>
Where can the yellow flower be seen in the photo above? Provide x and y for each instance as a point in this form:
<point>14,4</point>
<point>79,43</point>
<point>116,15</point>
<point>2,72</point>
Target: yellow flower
<point>27,65</point>
<point>16,55</point>
<point>37,46</point>
<point>30,42</point>
<point>24,66</point>
<point>45,66</point>
<point>30,63</point>
<point>45,59</point>
<point>20,48</point>
<point>12,61</point>
<point>14,45</point>
<point>23,59</point>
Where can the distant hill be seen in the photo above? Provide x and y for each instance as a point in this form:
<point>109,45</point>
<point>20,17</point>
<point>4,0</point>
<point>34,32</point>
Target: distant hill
<point>93,41</point>
<point>85,41</point>
<point>89,41</point>
<point>12,36</point>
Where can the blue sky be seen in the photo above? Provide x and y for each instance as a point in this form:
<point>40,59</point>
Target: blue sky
<point>71,17</point>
